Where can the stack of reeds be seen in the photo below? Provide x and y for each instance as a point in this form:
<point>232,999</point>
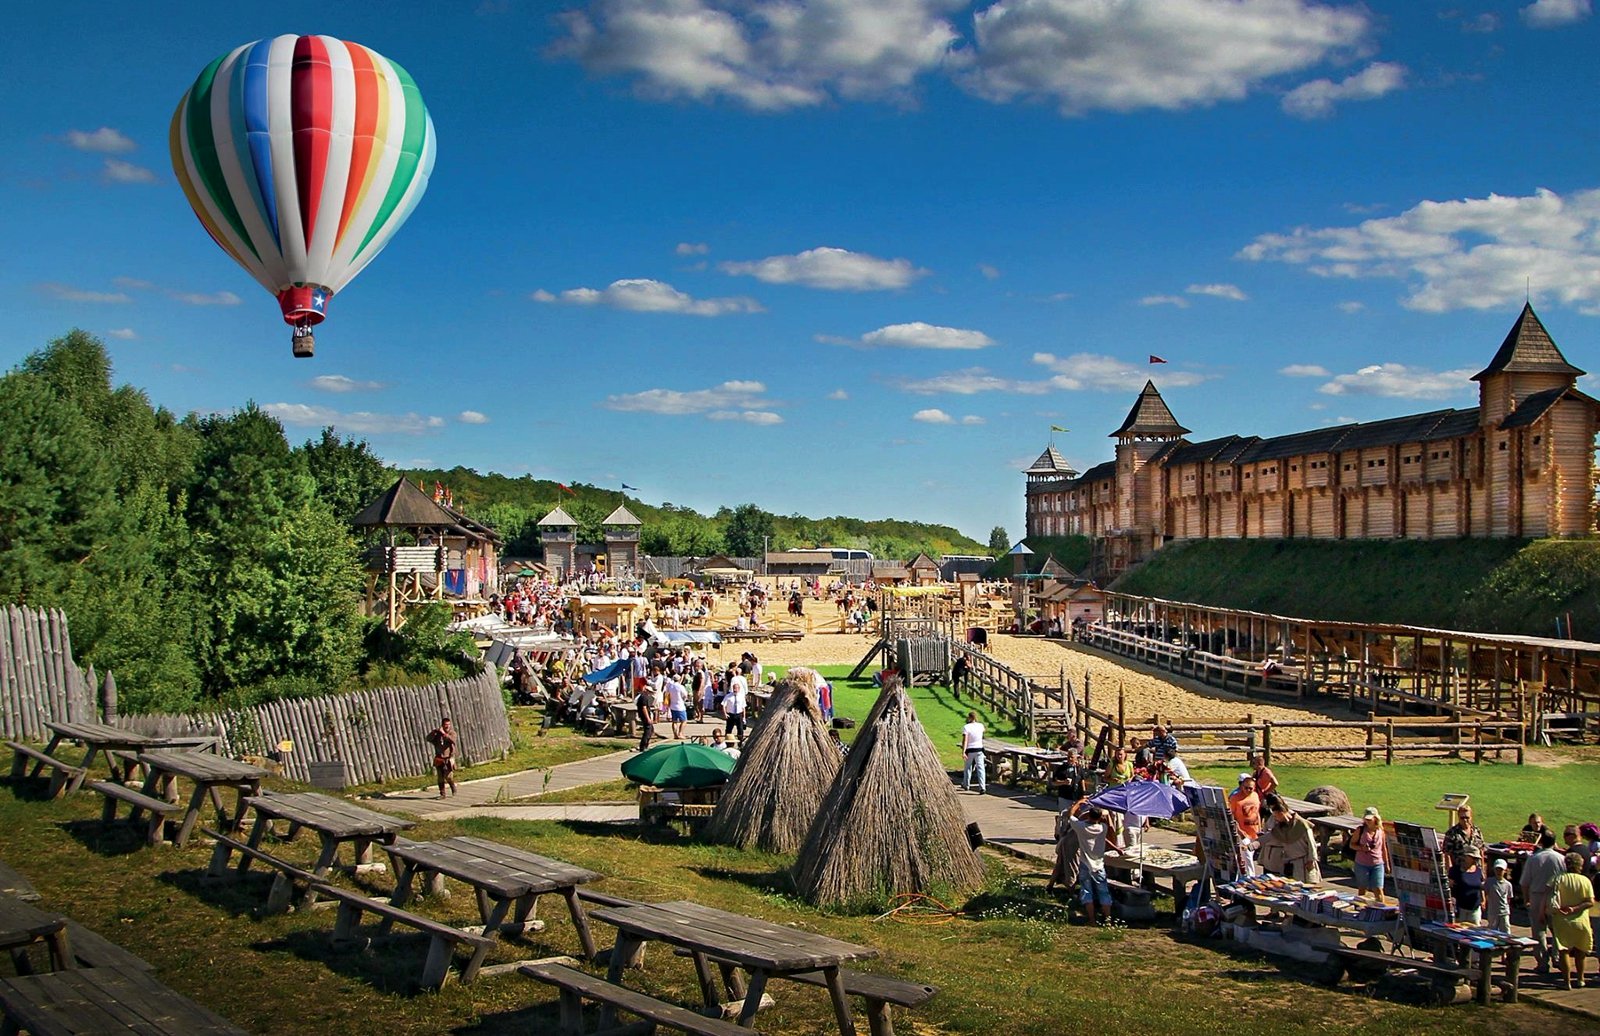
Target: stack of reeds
<point>785,768</point>
<point>892,822</point>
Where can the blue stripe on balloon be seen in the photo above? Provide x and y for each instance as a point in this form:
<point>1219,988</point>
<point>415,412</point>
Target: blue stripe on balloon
<point>252,111</point>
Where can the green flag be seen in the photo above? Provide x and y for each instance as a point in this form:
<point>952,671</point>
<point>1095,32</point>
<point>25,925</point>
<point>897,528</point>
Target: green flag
<point>1057,428</point>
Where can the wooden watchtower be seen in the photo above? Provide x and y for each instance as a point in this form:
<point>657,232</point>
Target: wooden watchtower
<point>398,576</point>
<point>622,543</point>
<point>558,532</point>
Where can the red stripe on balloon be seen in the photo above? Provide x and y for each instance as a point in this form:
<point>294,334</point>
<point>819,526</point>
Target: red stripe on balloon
<point>311,107</point>
<point>363,132</point>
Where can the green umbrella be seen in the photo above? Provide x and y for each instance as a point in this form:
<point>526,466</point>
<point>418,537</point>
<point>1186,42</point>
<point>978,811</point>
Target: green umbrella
<point>679,764</point>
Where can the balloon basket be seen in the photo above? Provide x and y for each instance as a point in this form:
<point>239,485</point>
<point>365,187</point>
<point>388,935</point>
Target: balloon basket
<point>305,343</point>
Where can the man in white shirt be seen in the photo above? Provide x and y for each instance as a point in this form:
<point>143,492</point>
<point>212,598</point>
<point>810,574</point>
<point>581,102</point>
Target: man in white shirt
<point>677,705</point>
<point>972,753</point>
<point>1094,835</point>
<point>1178,771</point>
<point>735,701</point>
<point>1539,875</point>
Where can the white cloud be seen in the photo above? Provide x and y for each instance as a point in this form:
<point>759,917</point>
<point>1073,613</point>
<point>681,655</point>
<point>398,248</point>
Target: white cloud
<point>641,295</point>
<point>1232,292</point>
<point>918,335</point>
<point>341,383</point>
<point>835,269</point>
<point>1550,14</point>
<point>729,401</point>
<point>472,417</point>
<point>1352,306</point>
<point>67,293</point>
<point>1165,300</point>
<point>1109,374</point>
<point>973,419</point>
<point>1486,22</point>
<point>125,333</point>
<point>105,141</point>
<point>1304,370</point>
<point>692,248</point>
<point>933,415</point>
<point>761,417</point>
<point>1318,98</point>
<point>838,395</point>
<point>1398,381</point>
<point>1088,55</point>
<point>118,171</point>
<point>970,382</point>
<point>1478,253</point>
<point>989,272</point>
<point>200,298</point>
<point>769,55</point>
<point>360,422</point>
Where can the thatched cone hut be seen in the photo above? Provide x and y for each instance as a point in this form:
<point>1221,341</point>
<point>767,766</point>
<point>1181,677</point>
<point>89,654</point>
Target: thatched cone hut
<point>892,822</point>
<point>787,764</point>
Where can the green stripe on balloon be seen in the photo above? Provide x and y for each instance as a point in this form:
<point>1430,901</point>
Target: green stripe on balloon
<point>405,169</point>
<point>203,150</point>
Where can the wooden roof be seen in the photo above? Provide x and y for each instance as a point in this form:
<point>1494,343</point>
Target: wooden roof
<point>621,516</point>
<point>1051,462</point>
<point>1536,405</point>
<point>922,561</point>
<point>1055,569</point>
<point>1150,417</point>
<point>404,506</point>
<point>559,518</point>
<point>1528,348</point>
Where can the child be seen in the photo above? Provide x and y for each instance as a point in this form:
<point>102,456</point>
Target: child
<point>1497,898</point>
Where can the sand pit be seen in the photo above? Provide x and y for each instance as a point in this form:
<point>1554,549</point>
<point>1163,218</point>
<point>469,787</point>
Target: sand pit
<point>1145,693</point>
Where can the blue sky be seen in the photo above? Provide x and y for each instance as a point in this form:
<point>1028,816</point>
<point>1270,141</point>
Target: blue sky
<point>843,257</point>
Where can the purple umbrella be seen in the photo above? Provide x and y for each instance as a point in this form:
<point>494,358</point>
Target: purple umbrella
<point>1142,799</point>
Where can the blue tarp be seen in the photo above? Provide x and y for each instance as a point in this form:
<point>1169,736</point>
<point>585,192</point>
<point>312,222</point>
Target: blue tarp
<point>610,672</point>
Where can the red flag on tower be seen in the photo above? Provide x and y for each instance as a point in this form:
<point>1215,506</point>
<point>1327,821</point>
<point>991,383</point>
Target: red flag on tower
<point>566,489</point>
<point>1156,359</point>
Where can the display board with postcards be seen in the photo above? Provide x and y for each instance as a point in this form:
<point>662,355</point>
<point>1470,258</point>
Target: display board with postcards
<point>1218,833</point>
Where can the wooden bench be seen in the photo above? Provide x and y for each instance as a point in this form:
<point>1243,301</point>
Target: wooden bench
<point>879,991</point>
<point>62,775</point>
<point>285,881</point>
<point>159,809</point>
<point>93,950</point>
<point>443,938</point>
<point>14,884</point>
<point>575,985</point>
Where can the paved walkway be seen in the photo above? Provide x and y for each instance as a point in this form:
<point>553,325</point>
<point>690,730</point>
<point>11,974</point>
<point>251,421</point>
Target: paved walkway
<point>426,803</point>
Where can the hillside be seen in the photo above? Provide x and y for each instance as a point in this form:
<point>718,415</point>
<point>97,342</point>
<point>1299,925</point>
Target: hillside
<point>1497,586</point>
<point>513,506</point>
<point>1070,551</point>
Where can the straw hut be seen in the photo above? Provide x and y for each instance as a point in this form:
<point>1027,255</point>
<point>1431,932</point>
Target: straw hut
<point>891,822</point>
<point>788,763</point>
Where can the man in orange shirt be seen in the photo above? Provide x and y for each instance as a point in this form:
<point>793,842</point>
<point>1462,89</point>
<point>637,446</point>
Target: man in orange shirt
<point>1246,807</point>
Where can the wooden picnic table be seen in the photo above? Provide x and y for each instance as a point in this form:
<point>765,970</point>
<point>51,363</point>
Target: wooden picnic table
<point>100,738</point>
<point>1305,808</point>
<point>763,949</point>
<point>1158,862</point>
<point>336,821</point>
<point>1329,825</point>
<point>502,876</point>
<point>209,774</point>
<point>22,925</point>
<point>1039,762</point>
<point>96,1001</point>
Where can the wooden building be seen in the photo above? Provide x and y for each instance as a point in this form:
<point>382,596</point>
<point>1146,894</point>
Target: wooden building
<point>1521,463</point>
<point>558,533</point>
<point>622,543</point>
<point>448,554</point>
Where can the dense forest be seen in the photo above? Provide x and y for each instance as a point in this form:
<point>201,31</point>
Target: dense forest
<point>208,560</point>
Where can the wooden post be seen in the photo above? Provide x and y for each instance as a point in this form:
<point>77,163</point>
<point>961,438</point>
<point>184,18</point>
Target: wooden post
<point>1266,742</point>
<point>1372,718</point>
<point>1122,702</point>
<point>1388,748</point>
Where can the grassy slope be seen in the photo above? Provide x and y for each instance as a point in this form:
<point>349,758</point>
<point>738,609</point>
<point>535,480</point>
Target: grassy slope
<point>1494,585</point>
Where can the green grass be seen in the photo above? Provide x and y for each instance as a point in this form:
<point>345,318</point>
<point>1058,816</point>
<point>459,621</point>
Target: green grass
<point>1013,971</point>
<point>1502,795</point>
<point>942,715</point>
<point>619,790</point>
<point>1498,585</point>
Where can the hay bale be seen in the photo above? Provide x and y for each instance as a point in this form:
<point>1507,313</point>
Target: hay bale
<point>787,764</point>
<point>892,822</point>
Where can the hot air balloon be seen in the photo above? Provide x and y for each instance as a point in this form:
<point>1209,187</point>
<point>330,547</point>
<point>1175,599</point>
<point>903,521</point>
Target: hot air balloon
<point>302,155</point>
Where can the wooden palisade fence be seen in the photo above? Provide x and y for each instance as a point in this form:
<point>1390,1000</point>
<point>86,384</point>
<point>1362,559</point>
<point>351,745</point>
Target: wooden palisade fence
<point>39,680</point>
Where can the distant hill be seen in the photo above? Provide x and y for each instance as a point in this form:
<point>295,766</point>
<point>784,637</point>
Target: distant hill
<point>1493,586</point>
<point>513,506</point>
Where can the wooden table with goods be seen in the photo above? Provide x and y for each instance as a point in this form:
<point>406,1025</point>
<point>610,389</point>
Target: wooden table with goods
<point>763,949</point>
<point>1154,863</point>
<point>209,774</point>
<point>103,1000</point>
<point>502,877</point>
<point>335,821</point>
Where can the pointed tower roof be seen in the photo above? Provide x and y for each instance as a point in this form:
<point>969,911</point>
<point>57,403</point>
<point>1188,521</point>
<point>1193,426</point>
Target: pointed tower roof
<point>1150,417</point>
<point>621,516</point>
<point>1055,569</point>
<point>403,505</point>
<point>1051,462</point>
<point>559,518</point>
<point>1528,348</point>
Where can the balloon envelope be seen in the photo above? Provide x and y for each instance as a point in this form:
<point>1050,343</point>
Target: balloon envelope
<point>302,155</point>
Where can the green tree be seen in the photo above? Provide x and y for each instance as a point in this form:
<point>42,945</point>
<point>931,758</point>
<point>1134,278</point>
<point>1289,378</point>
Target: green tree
<point>346,472</point>
<point>747,526</point>
<point>999,542</point>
